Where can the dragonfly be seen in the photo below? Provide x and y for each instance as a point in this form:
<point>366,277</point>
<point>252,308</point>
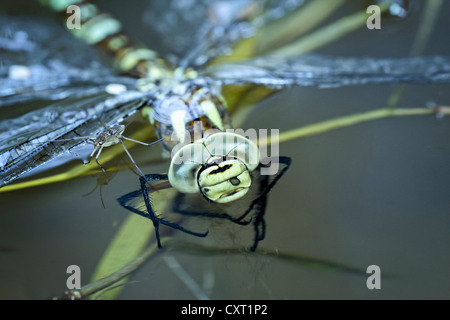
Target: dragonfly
<point>174,93</point>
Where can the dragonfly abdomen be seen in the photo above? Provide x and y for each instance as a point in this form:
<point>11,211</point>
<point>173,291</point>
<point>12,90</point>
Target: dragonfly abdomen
<point>105,32</point>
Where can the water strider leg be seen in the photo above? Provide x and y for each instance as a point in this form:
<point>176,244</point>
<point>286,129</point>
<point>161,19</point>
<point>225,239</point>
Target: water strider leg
<point>131,158</point>
<point>143,143</point>
<point>96,158</point>
<point>129,155</point>
<point>99,149</point>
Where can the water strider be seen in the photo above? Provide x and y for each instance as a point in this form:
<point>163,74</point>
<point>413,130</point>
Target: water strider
<point>173,94</point>
<point>108,137</point>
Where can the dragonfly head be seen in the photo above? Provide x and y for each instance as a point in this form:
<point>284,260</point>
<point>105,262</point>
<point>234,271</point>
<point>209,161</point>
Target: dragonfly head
<point>224,181</point>
<point>218,167</point>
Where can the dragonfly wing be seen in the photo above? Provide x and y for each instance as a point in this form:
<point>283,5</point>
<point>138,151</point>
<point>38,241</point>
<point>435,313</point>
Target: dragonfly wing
<point>69,89</point>
<point>35,66</point>
<point>327,71</point>
<point>211,27</point>
<point>25,148</point>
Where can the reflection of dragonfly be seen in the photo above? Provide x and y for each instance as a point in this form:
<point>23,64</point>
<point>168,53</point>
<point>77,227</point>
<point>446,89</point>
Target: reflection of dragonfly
<point>34,69</point>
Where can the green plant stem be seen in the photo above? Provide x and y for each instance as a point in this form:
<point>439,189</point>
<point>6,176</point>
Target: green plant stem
<point>346,121</point>
<point>327,34</point>
<point>103,283</point>
<point>129,242</point>
<point>292,26</point>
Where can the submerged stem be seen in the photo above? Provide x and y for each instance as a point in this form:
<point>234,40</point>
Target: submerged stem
<point>190,248</point>
<point>267,252</point>
<point>113,278</point>
<point>427,24</point>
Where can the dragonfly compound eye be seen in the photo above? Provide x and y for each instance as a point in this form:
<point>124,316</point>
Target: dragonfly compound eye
<point>224,182</point>
<point>218,167</point>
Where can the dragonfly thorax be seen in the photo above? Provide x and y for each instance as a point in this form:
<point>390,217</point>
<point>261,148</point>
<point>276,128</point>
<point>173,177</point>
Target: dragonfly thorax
<point>185,109</point>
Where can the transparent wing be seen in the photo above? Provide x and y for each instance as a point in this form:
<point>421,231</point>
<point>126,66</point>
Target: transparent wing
<point>67,90</point>
<point>30,141</point>
<point>20,83</point>
<point>33,65</point>
<point>328,71</point>
<point>204,29</point>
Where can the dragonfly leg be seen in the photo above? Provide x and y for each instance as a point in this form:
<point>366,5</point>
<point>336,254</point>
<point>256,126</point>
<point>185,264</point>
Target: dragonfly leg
<point>256,209</point>
<point>151,213</point>
<point>259,204</point>
<point>266,186</point>
<point>259,224</point>
<point>178,208</point>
